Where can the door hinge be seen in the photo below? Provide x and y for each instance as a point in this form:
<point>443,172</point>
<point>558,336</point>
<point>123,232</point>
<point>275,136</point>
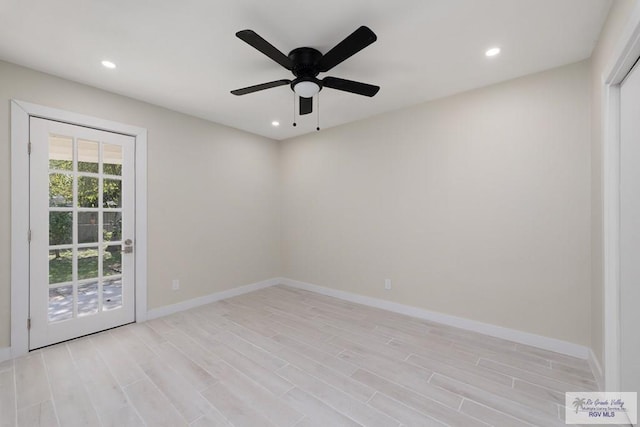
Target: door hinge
<point>29,235</point>
<point>29,148</point>
<point>29,323</point>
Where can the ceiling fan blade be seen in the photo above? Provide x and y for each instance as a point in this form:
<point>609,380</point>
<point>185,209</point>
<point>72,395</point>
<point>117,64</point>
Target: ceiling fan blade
<point>354,43</point>
<point>253,39</point>
<point>306,106</point>
<point>350,86</point>
<point>263,86</point>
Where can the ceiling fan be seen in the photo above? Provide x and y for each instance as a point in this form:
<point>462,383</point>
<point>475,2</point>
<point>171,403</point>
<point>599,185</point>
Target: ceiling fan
<point>306,63</point>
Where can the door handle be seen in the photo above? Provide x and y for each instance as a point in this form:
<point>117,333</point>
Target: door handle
<point>128,247</point>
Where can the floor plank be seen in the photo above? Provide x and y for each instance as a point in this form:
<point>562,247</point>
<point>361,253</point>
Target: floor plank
<point>177,389</point>
<point>234,408</point>
<point>418,402</point>
<point>7,399</point>
<point>41,414</point>
<point>318,413</point>
<point>154,408</point>
<point>407,416</point>
<point>337,399</point>
<point>32,385</point>
<point>71,399</point>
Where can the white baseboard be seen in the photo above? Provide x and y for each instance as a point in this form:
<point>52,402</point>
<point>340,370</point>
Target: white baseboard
<point>207,299</point>
<point>546,343</point>
<point>5,354</point>
<point>594,364</point>
<point>539,341</point>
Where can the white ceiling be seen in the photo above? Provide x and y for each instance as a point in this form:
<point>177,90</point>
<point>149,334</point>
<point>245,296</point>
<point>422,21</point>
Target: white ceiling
<point>184,55</point>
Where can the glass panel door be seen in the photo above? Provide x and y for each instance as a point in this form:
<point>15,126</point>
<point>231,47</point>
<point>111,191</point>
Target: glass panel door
<point>81,207</point>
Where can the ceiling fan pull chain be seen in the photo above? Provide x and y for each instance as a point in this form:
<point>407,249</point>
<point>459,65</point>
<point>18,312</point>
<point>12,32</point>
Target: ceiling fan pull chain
<point>318,112</point>
<point>294,109</point>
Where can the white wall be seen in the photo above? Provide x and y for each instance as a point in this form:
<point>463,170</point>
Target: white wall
<point>213,191</point>
<point>601,57</point>
<point>477,205</point>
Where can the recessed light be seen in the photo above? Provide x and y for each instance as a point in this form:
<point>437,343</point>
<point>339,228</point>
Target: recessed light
<point>493,51</point>
<point>108,64</point>
<point>275,123</point>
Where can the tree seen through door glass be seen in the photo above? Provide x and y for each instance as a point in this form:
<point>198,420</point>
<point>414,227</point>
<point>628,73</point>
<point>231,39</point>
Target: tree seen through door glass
<point>60,228</point>
<point>87,192</point>
<point>112,226</point>
<point>112,196</point>
<point>60,190</point>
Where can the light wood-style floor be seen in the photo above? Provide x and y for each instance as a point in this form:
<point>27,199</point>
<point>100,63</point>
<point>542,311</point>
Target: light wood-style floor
<point>286,357</point>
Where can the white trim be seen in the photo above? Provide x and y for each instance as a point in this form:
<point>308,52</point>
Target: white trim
<point>19,229</point>
<point>141,226</point>
<point>207,299</point>
<point>520,337</point>
<point>79,119</point>
<point>20,113</point>
<point>596,369</point>
<point>5,354</point>
<point>611,238</point>
<point>627,51</point>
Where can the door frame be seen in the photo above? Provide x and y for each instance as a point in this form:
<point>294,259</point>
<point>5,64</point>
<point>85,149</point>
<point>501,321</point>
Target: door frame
<point>621,62</point>
<point>20,113</point>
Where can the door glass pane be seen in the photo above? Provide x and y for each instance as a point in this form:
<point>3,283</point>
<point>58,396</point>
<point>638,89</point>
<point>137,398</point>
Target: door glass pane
<point>88,156</point>
<point>111,261</point>
<point>87,192</point>
<point>60,303</point>
<point>60,190</point>
<point>87,263</point>
<point>88,227</point>
<point>60,152</point>
<point>111,294</point>
<point>60,265</point>
<point>87,299</point>
<point>112,193</point>
<point>112,159</point>
<point>60,228</point>
<point>112,226</point>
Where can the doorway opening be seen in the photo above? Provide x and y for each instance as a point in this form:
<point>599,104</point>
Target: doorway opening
<point>73,260</point>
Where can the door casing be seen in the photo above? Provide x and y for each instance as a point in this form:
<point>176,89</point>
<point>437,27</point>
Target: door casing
<point>20,113</point>
<point>629,231</point>
<point>624,56</point>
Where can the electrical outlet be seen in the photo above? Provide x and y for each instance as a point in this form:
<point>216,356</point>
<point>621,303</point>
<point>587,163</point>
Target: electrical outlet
<point>387,284</point>
<point>175,285</point>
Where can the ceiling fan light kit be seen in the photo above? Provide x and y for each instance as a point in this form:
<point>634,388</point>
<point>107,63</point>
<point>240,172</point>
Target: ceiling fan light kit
<point>306,63</point>
<point>306,88</point>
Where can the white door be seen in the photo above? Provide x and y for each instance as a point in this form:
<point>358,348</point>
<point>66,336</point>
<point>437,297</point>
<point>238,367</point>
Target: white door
<point>82,230</point>
<point>630,231</point>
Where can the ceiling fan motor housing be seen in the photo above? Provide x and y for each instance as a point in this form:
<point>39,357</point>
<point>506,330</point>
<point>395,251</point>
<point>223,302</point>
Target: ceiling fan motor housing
<point>305,65</point>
